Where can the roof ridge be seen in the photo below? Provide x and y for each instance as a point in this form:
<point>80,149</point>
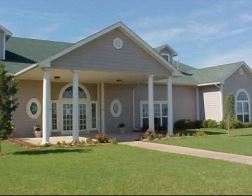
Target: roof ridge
<point>226,64</point>
<point>43,40</point>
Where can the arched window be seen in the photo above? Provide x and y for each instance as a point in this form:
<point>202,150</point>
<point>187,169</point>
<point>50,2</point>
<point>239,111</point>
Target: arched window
<point>242,103</point>
<point>68,93</point>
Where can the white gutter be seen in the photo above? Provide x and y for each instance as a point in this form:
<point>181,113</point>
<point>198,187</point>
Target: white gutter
<point>209,84</point>
<point>26,69</point>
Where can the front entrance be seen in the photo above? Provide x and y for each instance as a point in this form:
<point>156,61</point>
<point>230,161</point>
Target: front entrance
<point>67,116</point>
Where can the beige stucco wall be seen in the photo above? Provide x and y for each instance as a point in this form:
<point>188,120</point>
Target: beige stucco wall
<point>100,55</point>
<point>237,82</point>
<point>34,89</point>
<point>22,122</point>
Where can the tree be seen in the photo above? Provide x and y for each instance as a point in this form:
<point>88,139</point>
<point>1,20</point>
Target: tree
<point>8,104</point>
<point>229,110</point>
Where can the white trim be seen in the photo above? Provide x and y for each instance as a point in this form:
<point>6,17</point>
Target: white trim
<point>26,69</point>
<point>125,29</point>
<point>159,48</point>
<point>166,54</point>
<point>118,114</point>
<point>209,84</point>
<point>6,31</point>
<point>57,114</point>
<point>236,101</point>
<point>98,108</point>
<point>155,102</point>
<point>28,111</point>
<point>70,84</point>
<point>117,41</point>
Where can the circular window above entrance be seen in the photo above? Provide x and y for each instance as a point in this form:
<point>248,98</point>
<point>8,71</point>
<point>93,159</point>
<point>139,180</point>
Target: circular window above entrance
<point>117,43</point>
<point>33,108</point>
<point>116,108</point>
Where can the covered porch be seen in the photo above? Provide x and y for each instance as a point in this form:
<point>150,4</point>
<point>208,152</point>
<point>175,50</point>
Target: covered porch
<point>75,102</point>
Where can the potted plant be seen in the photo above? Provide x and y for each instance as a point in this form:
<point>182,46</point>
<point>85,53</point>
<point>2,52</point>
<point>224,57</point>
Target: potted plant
<point>121,127</point>
<point>37,131</point>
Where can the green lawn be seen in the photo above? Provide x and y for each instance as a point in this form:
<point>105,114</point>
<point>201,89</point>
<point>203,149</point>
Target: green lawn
<point>217,140</point>
<point>117,169</point>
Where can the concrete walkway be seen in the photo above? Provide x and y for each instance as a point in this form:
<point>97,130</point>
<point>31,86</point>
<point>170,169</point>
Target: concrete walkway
<point>192,152</point>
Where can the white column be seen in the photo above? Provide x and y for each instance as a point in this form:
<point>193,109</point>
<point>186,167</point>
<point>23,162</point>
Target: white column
<point>75,106</point>
<point>46,108</point>
<point>151,102</point>
<point>197,103</point>
<point>170,107</point>
<point>102,108</point>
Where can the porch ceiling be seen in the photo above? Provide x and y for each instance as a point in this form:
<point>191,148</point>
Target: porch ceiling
<point>88,76</point>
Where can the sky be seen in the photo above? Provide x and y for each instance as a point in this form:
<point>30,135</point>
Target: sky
<point>203,32</point>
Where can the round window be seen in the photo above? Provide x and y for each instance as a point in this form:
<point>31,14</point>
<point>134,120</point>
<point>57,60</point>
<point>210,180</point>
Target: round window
<point>33,108</point>
<point>116,108</point>
<point>118,43</point>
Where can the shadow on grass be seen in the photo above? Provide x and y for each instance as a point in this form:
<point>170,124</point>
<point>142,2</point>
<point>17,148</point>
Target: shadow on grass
<point>245,135</point>
<point>214,133</point>
<point>51,151</point>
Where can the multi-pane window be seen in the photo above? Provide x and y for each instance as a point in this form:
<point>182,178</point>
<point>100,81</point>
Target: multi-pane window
<point>54,116</point>
<point>82,117</point>
<point>67,117</point>
<point>160,114</point>
<point>242,106</point>
<point>68,93</point>
<point>94,113</point>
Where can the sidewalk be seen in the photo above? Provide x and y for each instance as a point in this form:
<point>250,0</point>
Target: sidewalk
<point>192,152</point>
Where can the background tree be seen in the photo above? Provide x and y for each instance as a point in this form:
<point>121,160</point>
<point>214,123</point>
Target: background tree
<point>229,111</point>
<point>8,104</point>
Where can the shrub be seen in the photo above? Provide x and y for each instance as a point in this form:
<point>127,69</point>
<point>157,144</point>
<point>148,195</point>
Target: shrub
<point>236,124</point>
<point>247,125</point>
<point>113,141</point>
<point>149,135</point>
<point>183,124</point>
<point>102,138</point>
<point>223,124</point>
<point>198,124</point>
<point>209,123</point>
<point>200,132</point>
<point>160,130</point>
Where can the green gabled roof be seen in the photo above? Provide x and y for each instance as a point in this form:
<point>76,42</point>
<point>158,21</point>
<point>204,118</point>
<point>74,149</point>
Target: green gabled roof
<point>215,73</point>
<point>23,52</point>
<point>32,49</point>
<point>183,67</point>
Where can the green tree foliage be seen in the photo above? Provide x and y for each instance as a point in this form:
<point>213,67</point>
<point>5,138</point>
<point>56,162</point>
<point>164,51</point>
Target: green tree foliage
<point>8,104</point>
<point>229,110</point>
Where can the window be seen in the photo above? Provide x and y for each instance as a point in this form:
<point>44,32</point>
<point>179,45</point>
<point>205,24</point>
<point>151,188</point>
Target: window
<point>160,114</point>
<point>68,93</point>
<point>67,117</point>
<point>33,108</point>
<point>166,56</point>
<point>54,116</point>
<point>242,103</point>
<point>116,108</point>
<point>82,117</point>
<point>94,113</point>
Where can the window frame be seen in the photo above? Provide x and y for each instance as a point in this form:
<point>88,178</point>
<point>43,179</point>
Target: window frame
<point>242,113</point>
<point>167,55</point>
<point>96,115</point>
<point>57,115</point>
<point>28,106</point>
<point>160,103</point>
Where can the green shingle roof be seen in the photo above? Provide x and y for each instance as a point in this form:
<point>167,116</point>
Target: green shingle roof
<point>216,73</point>
<point>23,52</point>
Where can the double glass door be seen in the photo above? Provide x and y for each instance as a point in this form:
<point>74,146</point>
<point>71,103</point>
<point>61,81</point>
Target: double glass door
<point>68,116</point>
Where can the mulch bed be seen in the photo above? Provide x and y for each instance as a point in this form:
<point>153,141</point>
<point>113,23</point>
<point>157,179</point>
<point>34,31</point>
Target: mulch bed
<point>22,143</point>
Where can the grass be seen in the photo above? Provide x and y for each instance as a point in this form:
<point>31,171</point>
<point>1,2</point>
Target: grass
<point>240,141</point>
<point>117,169</point>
